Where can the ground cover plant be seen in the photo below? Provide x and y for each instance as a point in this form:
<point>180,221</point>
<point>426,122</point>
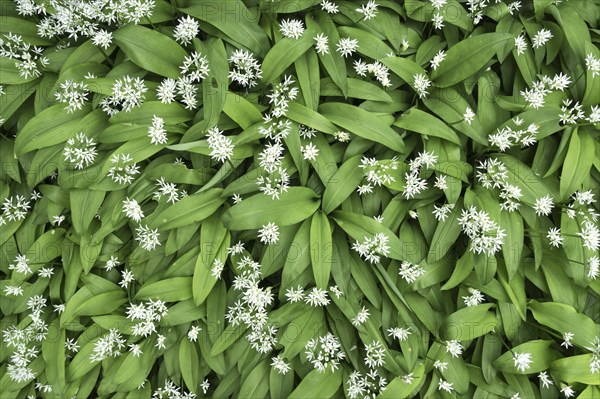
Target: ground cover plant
<point>304,199</point>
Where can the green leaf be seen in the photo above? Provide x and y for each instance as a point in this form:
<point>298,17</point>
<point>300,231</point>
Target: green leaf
<point>342,184</point>
<point>293,206</point>
<point>564,318</point>
<point>84,205</point>
<point>318,385</point>
<point>467,57</point>
<point>362,123</point>
<point>283,54</point>
<point>169,290</point>
<point>193,208</point>
<point>574,369</point>
<point>189,364</point>
<point>140,44</point>
<point>578,162</point>
<point>418,121</point>
<point>236,23</point>
<point>469,323</point>
<point>542,357</point>
<point>398,388</point>
<point>51,126</point>
<point>321,249</point>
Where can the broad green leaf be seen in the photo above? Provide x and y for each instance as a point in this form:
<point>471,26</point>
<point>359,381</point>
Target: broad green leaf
<point>321,249</point>
<point>141,45</point>
<point>421,122</point>
<point>564,318</point>
<point>342,184</point>
<point>469,323</point>
<point>542,357</point>
<point>293,206</point>
<point>169,290</point>
<point>52,126</point>
<point>578,162</point>
<point>574,369</point>
<point>318,385</point>
<point>362,123</point>
<point>283,54</point>
<point>467,57</point>
<point>193,208</point>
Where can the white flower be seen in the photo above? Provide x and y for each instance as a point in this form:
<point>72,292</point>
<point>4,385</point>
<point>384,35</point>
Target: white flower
<point>21,265</point>
<point>165,91</point>
<point>309,151</point>
<point>235,249</point>
<point>15,208</point>
<point>205,386</point>
<point>421,84</point>
<point>160,341</point>
<point>438,20</point>
<point>555,237</point>
<point>486,236</point>
<point>187,29</point>
<point>522,361</point>
<point>474,299</point>
<point>568,391</point>
<point>80,151</point>
<point>361,317</point>
<point>570,115</point>
<point>14,290</point>
<point>135,350</point>
<point>399,333</point>
<point>469,115</point>
<point>195,66</point>
<point>102,38</point>
<point>592,64</point>
<point>336,291</point>
<point>166,190</point>
<point>408,378</point>
<point>454,347</point>
<point>295,295</point>
<point>291,28</point>
<point>127,93</point>
<point>280,97</point>
<point>594,267</point>
<point>109,345</point>
<point>342,136</point>
<point>364,189</point>
<point>280,365</point>
<point>445,385</point>
<point>441,213</point>
<point>440,365</point>
<point>437,60</point>
<point>132,209</point>
<point>269,233</point>
<point>325,352</point>
<point>410,272</point>
<point>157,132</point>
<point>369,10</point>
<point>371,248</point>
<point>329,7</point>
<point>541,38</point>
<point>193,333</point>
<point>346,46</point>
<point>221,146</point>
<point>57,220</point>
<point>545,379</point>
<point>217,268</point>
<point>543,205</point>
<point>112,263</point>
<point>520,44</point>
<point>375,356</point>
<point>147,237</point>
<point>124,168</point>
<point>71,345</point>
<point>74,94</point>
<point>246,70</point>
<point>584,197</point>
<point>317,297</point>
<point>46,272</point>
<point>590,235</point>
<point>321,46</point>
<point>567,337</point>
<point>274,184</point>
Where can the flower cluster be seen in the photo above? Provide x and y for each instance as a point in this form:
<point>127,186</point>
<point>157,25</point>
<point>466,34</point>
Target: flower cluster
<point>149,313</point>
<point>80,151</point>
<point>492,173</point>
<point>371,248</point>
<point>28,59</point>
<point>325,352</point>
<point>486,236</point>
<point>507,137</point>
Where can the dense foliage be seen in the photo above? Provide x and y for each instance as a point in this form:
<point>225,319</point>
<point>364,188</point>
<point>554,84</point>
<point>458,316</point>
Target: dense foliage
<point>304,198</point>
